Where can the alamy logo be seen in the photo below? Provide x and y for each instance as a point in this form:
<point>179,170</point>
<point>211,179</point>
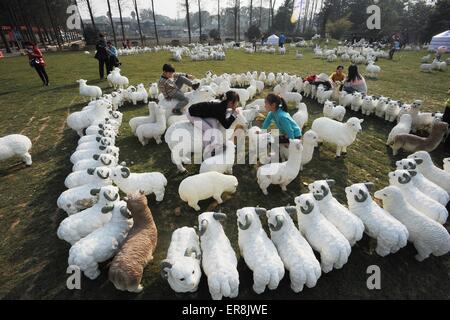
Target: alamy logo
<point>374,280</point>
<point>374,21</point>
<point>74,20</point>
<point>74,280</point>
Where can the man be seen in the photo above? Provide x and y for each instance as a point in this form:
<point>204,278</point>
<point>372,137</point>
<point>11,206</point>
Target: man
<point>170,84</point>
<point>102,56</point>
<point>338,76</point>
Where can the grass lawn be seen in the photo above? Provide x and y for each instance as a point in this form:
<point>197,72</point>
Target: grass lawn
<point>33,260</point>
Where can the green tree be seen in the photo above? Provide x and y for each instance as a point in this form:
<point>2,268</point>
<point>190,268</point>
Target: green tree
<point>338,28</point>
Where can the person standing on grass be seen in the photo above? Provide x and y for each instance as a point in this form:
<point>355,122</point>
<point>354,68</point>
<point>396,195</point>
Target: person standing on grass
<point>395,46</point>
<point>102,56</point>
<point>282,40</point>
<point>446,117</point>
<point>170,84</point>
<point>37,61</point>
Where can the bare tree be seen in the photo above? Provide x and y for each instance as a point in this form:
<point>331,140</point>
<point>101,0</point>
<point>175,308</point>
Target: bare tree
<point>139,22</point>
<point>91,14</point>
<point>218,16</point>
<point>55,30</point>
<point>112,23</point>
<point>154,23</point>
<point>260,13</point>
<point>121,20</point>
<point>200,17</point>
<point>251,13</point>
<point>188,20</point>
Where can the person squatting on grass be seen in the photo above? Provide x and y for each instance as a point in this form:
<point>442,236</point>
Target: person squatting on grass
<point>208,115</point>
<point>337,76</point>
<point>170,84</point>
<point>355,82</point>
<point>37,61</point>
<point>278,112</point>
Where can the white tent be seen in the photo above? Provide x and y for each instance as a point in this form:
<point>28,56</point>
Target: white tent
<point>272,40</point>
<point>441,40</point>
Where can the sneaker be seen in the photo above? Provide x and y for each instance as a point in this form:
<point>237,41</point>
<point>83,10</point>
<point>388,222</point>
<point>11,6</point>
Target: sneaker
<point>195,86</point>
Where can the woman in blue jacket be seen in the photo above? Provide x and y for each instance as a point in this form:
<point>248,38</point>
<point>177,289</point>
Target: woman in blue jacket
<point>278,113</point>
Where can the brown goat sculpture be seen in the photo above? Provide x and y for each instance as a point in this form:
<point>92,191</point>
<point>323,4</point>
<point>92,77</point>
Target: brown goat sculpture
<point>126,269</point>
<point>412,143</point>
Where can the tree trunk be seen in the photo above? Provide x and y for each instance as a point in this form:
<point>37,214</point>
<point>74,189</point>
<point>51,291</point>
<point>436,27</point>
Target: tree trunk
<point>251,14</point>
<point>91,14</point>
<point>188,20</point>
<point>270,10</point>
<point>239,20</point>
<point>53,24</point>
<point>306,15</point>
<point>15,22</point>
<point>235,20</point>
<point>139,22</point>
<point>154,23</point>
<point>121,20</point>
<point>81,20</point>
<point>5,41</point>
<point>200,18</point>
<point>112,24</point>
<point>218,16</point>
<point>260,14</point>
<point>26,20</point>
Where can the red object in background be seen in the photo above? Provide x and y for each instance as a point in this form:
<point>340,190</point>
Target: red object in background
<point>1,54</point>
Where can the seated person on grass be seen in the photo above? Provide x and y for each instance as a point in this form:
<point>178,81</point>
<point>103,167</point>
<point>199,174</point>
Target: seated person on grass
<point>170,84</point>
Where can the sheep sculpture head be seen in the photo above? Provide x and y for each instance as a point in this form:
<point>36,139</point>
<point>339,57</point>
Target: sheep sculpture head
<point>183,274</point>
<point>422,158</point>
<point>321,189</point>
<point>107,196</point>
<point>355,124</point>
<point>277,217</point>
<point>248,217</point>
<point>401,177</point>
<point>406,164</point>
<point>210,219</point>
<point>389,194</point>
<point>358,192</point>
<point>101,172</point>
<point>305,204</point>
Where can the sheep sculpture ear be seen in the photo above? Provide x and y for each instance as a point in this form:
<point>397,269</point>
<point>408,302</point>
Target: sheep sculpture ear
<point>331,183</point>
<point>412,173</point>
<point>220,216</point>
<point>102,148</point>
<point>96,157</point>
<point>369,185</point>
<point>292,211</point>
<point>95,192</point>
<point>260,211</point>
<point>419,161</point>
<point>165,267</point>
<point>90,171</point>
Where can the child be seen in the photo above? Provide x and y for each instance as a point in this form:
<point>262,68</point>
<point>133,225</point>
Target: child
<point>170,84</point>
<point>278,112</point>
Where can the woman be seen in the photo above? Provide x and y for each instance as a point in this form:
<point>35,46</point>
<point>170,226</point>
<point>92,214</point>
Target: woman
<point>278,112</point>
<point>208,115</point>
<point>37,61</point>
<point>355,82</point>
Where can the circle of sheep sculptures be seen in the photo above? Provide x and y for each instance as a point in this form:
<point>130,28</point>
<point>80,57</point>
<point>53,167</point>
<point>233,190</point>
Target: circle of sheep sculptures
<point>101,226</point>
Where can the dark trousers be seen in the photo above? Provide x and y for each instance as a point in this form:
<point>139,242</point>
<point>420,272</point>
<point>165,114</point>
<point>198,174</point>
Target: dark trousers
<point>102,63</point>
<point>42,73</point>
